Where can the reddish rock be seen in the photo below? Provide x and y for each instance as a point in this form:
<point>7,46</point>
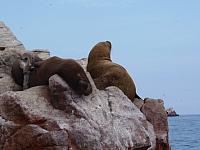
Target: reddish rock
<point>155,112</point>
<point>33,137</point>
<point>7,129</point>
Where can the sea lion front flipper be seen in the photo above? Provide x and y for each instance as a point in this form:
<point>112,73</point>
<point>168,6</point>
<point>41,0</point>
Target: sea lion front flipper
<point>106,80</point>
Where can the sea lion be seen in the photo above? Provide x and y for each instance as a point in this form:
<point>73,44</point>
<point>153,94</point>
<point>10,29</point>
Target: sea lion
<point>41,71</point>
<point>26,65</point>
<point>105,73</point>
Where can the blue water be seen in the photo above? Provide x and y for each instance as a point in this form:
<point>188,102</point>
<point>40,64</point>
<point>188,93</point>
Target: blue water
<point>184,132</point>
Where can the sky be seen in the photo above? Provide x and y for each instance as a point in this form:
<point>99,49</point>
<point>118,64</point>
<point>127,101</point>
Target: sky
<point>158,42</point>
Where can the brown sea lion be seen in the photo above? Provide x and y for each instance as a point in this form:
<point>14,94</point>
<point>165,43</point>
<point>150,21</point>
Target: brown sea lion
<point>26,65</point>
<point>105,73</point>
<point>41,71</point>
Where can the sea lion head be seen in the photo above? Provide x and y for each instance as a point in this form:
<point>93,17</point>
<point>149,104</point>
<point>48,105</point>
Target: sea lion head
<point>83,85</point>
<point>101,51</point>
<point>27,61</point>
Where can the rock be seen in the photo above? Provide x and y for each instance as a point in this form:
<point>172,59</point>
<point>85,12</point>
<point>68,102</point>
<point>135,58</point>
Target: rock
<point>138,102</point>
<point>171,112</point>
<point>103,120</point>
<point>154,110</point>
<point>105,107</point>
<point>23,106</point>
<point>83,63</point>
<point>8,40</point>
<point>152,136</point>
<point>33,137</point>
<point>7,58</point>
<point>7,129</point>
<point>10,47</point>
<point>42,53</point>
<point>7,83</point>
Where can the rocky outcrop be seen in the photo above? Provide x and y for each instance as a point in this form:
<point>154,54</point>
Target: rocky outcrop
<point>55,117</point>
<point>155,113</point>
<point>10,49</point>
<point>42,53</point>
<point>103,120</point>
<point>8,40</point>
<point>171,112</point>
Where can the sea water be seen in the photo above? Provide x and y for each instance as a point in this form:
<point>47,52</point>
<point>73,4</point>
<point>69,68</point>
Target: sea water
<point>184,132</point>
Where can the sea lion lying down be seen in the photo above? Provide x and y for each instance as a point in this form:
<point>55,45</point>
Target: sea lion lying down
<point>39,71</point>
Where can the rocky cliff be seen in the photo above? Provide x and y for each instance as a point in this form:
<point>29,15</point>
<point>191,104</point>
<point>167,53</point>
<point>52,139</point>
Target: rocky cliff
<point>55,117</point>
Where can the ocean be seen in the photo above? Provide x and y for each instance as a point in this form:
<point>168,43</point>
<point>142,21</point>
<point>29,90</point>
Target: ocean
<point>184,132</point>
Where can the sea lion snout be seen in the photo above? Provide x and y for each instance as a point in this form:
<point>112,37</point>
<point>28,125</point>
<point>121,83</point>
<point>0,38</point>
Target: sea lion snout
<point>85,87</point>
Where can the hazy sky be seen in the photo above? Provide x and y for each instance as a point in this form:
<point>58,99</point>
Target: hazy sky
<point>158,42</point>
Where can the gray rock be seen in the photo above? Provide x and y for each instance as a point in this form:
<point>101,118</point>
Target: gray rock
<point>138,102</point>
<point>7,83</point>
<point>7,58</point>
<point>103,120</point>
<point>10,49</point>
<point>110,111</point>
<point>8,40</point>
<point>42,53</point>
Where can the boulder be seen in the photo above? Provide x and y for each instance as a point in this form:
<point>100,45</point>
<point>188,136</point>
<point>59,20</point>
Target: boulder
<point>7,83</point>
<point>10,49</point>
<point>42,53</point>
<point>7,129</point>
<point>155,113</point>
<point>138,102</point>
<point>7,58</point>
<point>103,120</point>
<point>33,137</point>
<point>8,41</point>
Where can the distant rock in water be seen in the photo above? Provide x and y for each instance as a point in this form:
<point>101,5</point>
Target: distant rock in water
<point>171,112</point>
